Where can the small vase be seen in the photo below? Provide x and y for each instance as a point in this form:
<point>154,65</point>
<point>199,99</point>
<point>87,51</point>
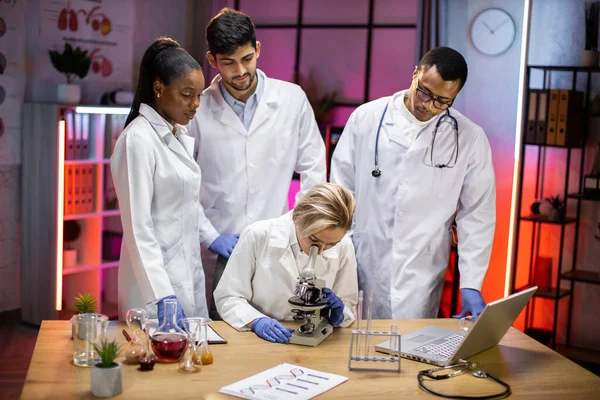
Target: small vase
<point>107,382</point>
<point>68,93</point>
<point>589,58</point>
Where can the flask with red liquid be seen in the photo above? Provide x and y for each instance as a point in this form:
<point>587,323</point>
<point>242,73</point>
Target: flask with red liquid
<point>169,340</point>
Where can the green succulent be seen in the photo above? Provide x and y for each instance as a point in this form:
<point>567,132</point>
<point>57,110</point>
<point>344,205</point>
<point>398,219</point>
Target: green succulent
<point>108,352</point>
<point>85,304</point>
<point>71,62</point>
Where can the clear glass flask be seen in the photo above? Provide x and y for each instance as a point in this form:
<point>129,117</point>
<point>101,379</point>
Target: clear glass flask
<point>169,341</point>
<point>203,348</point>
<point>190,362</point>
<point>136,319</point>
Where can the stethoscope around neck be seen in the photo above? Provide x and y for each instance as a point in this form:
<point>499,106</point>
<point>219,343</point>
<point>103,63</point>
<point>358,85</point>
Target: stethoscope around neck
<point>377,171</point>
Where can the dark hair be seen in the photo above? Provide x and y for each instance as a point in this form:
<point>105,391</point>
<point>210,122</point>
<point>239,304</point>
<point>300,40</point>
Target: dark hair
<point>164,60</point>
<point>228,30</point>
<point>450,64</point>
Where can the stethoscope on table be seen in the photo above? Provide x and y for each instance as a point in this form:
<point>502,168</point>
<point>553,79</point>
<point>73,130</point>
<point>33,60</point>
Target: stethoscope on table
<point>463,366</point>
<point>377,171</point>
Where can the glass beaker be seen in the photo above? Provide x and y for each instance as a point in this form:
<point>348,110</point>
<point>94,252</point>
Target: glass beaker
<point>190,361</point>
<point>88,329</point>
<point>168,342</point>
<point>466,323</point>
<point>136,319</point>
<point>203,348</point>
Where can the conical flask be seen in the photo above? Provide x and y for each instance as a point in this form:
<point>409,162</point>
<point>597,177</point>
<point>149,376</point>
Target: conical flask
<point>203,348</point>
<point>189,362</point>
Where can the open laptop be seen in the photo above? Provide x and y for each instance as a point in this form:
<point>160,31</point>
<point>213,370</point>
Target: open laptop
<point>441,346</point>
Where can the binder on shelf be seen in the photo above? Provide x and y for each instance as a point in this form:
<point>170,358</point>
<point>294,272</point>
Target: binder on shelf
<point>552,117</point>
<point>69,136</point>
<point>68,200</point>
<point>531,125</point>
<point>76,189</point>
<point>90,189</point>
<point>77,137</point>
<point>568,127</point>
<point>540,137</point>
<point>85,136</point>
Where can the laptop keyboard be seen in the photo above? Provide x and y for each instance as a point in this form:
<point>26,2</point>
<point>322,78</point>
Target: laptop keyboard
<point>444,347</point>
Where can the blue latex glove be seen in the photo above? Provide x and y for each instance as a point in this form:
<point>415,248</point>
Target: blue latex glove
<point>224,244</point>
<point>270,329</point>
<point>161,310</point>
<point>336,307</point>
<point>472,302</point>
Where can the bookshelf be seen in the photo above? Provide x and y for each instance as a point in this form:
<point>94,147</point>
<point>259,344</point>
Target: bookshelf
<point>571,149</point>
<point>67,189</point>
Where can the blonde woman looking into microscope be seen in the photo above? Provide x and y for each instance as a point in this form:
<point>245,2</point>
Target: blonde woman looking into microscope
<point>263,269</point>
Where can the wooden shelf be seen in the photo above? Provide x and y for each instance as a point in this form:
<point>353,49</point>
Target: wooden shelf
<point>582,196</point>
<point>573,68</point>
<point>579,353</point>
<point>547,293</point>
<point>82,162</point>
<point>582,276</point>
<point>545,220</point>
<point>85,268</point>
<point>108,213</point>
<point>568,146</point>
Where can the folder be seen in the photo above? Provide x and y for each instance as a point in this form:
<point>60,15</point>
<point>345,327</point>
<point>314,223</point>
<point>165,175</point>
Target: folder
<point>85,135</point>
<point>90,189</point>
<point>69,136</point>
<point>77,137</point>
<point>568,126</point>
<point>530,130</point>
<point>68,190</point>
<point>542,107</point>
<point>76,189</point>
<point>552,117</point>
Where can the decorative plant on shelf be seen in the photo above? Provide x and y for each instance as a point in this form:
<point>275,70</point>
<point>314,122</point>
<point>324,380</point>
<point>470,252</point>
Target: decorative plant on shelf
<point>73,63</point>
<point>84,304</point>
<point>321,102</point>
<point>107,377</point>
<point>558,208</point>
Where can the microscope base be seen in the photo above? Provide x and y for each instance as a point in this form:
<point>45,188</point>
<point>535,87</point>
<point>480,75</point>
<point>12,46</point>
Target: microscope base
<point>312,339</point>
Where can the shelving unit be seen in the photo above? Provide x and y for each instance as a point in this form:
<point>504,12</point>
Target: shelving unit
<point>48,285</point>
<point>563,279</point>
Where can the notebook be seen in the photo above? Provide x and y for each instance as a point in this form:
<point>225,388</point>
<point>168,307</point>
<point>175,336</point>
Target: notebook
<point>442,346</point>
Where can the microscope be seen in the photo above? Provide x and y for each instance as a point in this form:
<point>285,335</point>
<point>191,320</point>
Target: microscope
<point>308,301</point>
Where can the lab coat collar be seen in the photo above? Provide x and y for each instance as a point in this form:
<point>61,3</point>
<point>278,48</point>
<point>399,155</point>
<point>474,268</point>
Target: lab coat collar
<point>221,110</point>
<point>394,134</point>
<point>184,147</point>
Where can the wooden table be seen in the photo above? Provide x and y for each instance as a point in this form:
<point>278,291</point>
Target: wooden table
<point>533,370</point>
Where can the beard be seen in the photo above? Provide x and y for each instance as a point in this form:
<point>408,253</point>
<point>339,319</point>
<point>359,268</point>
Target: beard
<point>242,86</point>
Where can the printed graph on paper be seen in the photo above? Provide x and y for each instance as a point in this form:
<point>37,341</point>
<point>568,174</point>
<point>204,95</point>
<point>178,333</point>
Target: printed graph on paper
<point>285,381</point>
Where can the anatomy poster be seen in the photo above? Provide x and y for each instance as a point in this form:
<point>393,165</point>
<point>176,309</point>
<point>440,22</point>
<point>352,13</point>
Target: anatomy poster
<point>102,27</point>
<point>12,79</point>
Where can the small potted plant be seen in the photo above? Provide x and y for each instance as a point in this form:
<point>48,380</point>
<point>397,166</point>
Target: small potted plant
<point>71,232</point>
<point>558,211</point>
<point>107,376</point>
<point>74,63</point>
<point>83,304</point>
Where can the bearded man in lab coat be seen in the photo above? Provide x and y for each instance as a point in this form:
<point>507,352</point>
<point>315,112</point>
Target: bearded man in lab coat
<point>252,133</point>
<point>414,165</point>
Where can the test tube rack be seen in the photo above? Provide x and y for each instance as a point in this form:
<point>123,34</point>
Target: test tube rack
<point>355,340</point>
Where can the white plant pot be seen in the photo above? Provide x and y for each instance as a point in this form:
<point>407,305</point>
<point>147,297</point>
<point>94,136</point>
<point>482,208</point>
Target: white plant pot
<point>107,382</point>
<point>68,93</point>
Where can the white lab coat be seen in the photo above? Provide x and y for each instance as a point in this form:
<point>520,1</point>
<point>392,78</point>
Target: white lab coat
<point>402,219</point>
<point>246,175</point>
<point>262,273</point>
<point>158,183</point>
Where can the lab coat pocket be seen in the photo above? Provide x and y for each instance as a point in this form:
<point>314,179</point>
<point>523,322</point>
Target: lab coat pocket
<point>285,142</point>
<point>443,182</point>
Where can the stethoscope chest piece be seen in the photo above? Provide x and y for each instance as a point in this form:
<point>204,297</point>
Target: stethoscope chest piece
<point>376,173</point>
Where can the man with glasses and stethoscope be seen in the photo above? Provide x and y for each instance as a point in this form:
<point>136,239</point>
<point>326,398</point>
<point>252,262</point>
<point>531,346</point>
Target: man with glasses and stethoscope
<point>415,164</point>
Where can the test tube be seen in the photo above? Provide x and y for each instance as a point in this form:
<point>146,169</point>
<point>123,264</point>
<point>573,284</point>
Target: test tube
<point>359,320</point>
<point>394,341</point>
<point>369,316</point>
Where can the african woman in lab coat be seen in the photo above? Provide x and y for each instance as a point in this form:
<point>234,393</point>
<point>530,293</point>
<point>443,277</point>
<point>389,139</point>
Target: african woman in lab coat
<point>263,270</point>
<point>415,164</point>
<point>158,185</point>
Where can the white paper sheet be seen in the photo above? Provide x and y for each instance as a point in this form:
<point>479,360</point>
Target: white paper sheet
<point>283,382</point>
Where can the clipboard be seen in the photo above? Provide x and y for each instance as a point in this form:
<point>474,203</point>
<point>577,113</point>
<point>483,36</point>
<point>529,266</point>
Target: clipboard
<point>213,336</point>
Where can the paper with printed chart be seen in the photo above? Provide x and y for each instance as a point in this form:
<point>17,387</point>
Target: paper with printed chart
<point>283,382</point>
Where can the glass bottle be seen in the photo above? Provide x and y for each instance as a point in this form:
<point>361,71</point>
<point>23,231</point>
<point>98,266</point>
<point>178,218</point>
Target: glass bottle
<point>189,362</point>
<point>169,341</point>
<point>203,348</point>
<point>136,347</point>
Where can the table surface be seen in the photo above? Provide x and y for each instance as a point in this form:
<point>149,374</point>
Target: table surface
<point>532,370</point>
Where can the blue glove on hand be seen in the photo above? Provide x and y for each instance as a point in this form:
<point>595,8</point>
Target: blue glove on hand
<point>336,307</point>
<point>224,244</point>
<point>472,302</point>
<point>161,310</point>
<point>270,329</point>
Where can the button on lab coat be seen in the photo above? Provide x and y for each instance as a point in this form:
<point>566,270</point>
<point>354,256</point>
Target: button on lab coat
<point>246,175</point>
<point>157,183</point>
<point>402,219</point>
<point>262,273</point>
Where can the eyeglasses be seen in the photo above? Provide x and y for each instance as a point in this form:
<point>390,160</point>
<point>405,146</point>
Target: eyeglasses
<point>426,97</point>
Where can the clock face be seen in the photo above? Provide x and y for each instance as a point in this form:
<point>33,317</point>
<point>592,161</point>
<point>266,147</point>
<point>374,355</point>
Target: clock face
<point>493,31</point>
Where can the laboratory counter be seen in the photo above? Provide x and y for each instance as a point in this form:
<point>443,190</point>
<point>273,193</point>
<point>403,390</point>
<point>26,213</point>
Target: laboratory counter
<point>532,370</point>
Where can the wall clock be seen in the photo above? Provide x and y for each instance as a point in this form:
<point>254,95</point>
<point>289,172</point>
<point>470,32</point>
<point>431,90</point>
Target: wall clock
<point>493,31</point>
